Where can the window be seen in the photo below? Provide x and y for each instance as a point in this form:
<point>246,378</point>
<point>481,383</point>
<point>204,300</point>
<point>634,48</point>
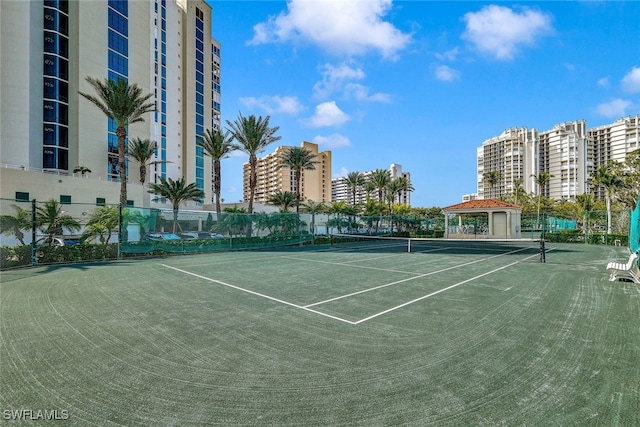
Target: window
<point>21,196</point>
<point>130,203</point>
<point>100,201</point>
<point>65,200</point>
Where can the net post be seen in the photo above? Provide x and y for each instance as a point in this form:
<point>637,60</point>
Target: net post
<point>409,245</point>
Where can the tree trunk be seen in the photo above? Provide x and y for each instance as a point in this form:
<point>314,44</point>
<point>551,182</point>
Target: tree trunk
<point>298,177</point>
<point>121,133</point>
<point>253,177</point>
<point>217,184</point>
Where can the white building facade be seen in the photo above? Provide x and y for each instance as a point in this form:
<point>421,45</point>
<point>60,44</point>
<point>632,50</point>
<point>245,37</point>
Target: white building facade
<point>569,152</point>
<point>49,47</point>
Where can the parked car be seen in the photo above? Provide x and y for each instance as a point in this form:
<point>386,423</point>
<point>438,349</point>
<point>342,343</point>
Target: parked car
<point>207,235</point>
<point>160,237</point>
<point>58,241</point>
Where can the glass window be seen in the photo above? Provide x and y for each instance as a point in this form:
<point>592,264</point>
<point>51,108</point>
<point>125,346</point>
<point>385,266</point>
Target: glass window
<point>119,5</point>
<point>65,200</point>
<point>21,196</point>
<point>118,43</point>
<point>118,22</point>
<point>100,201</point>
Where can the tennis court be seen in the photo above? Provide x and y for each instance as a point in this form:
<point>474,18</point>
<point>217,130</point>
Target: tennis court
<point>360,332</point>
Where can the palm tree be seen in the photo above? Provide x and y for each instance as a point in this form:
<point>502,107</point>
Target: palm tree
<point>282,199</point>
<point>394,187</point>
<point>16,223</point>
<point>585,203</point>
<point>217,146</point>
<point>176,192</point>
<point>517,189</point>
<point>404,186</point>
<point>52,220</point>
<point>313,208</point>
<point>81,170</point>
<point>542,179</point>
<point>368,187</point>
<point>299,159</point>
<point>124,104</point>
<point>102,222</point>
<point>611,177</point>
<point>491,178</point>
<point>253,135</point>
<point>380,178</point>
<point>142,151</point>
<point>354,181</point>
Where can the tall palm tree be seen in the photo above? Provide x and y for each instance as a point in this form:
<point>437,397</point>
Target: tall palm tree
<point>253,135</point>
<point>517,190</point>
<point>16,223</point>
<point>404,186</point>
<point>282,199</point>
<point>585,203</point>
<point>299,159</point>
<point>217,146</point>
<point>542,179</point>
<point>610,176</point>
<point>142,151</point>
<point>368,188</point>
<point>394,187</point>
<point>354,181</point>
<point>124,104</point>
<point>52,220</point>
<point>491,178</point>
<point>176,192</point>
<point>380,178</point>
<point>313,208</point>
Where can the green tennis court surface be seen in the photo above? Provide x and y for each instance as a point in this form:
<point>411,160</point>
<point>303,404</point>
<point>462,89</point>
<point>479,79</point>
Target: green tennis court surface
<point>450,333</point>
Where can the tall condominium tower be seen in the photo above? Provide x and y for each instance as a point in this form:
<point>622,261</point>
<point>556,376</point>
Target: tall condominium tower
<point>49,47</point>
<point>569,152</point>
<point>273,176</point>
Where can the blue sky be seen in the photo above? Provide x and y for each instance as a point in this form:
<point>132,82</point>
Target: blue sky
<point>422,83</point>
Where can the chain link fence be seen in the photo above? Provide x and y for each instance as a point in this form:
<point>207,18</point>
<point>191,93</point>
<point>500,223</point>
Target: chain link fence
<point>48,232</point>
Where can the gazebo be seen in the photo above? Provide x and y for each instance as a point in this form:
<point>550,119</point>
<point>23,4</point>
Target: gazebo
<point>484,219</point>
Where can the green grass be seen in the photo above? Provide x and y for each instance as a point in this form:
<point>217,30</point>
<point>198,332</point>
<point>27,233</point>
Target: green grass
<point>138,343</point>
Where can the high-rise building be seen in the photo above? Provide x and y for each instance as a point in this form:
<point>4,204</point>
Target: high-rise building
<point>273,176</point>
<point>340,190</point>
<point>569,152</point>
<point>49,47</point>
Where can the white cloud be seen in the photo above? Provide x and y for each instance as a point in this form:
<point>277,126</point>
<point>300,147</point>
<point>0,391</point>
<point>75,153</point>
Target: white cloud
<point>604,82</point>
<point>343,27</point>
<point>361,93</point>
<point>328,114</point>
<point>449,55</point>
<point>341,173</point>
<point>334,78</point>
<point>631,81</point>
<point>332,141</point>
<point>274,104</point>
<point>446,74</point>
<point>614,108</point>
<point>501,32</point>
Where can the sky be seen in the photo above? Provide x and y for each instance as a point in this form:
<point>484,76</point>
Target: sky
<point>421,83</point>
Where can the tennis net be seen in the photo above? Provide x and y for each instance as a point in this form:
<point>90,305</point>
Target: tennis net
<point>349,242</point>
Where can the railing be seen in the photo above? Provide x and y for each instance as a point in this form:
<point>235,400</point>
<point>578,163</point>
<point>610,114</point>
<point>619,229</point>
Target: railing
<point>87,175</point>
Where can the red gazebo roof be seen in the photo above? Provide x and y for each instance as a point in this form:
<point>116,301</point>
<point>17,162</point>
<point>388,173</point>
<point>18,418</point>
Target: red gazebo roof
<point>480,204</point>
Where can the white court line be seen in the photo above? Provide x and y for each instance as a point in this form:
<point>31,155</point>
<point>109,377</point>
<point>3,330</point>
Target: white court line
<point>442,290</point>
<point>256,293</point>
<point>412,278</point>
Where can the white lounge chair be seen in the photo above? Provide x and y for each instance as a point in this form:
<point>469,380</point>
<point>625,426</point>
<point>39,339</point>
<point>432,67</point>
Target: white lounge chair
<point>625,271</point>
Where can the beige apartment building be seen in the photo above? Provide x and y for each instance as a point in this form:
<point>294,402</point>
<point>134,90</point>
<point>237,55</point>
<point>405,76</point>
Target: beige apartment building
<point>569,151</point>
<point>273,176</point>
<point>48,47</point>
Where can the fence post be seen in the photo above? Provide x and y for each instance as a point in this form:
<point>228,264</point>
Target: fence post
<point>34,255</point>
